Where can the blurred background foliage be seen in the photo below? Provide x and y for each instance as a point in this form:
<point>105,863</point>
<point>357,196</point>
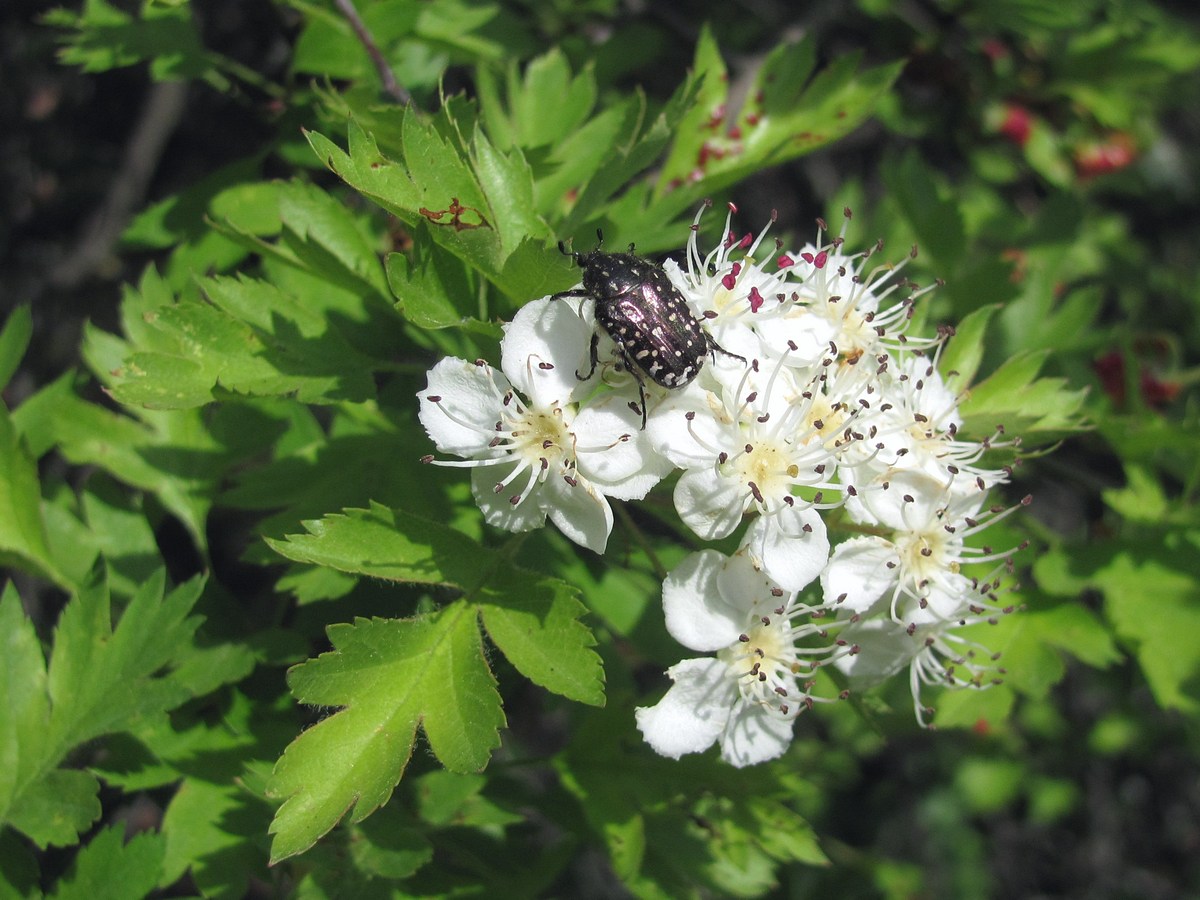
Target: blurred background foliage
<point>1041,155</point>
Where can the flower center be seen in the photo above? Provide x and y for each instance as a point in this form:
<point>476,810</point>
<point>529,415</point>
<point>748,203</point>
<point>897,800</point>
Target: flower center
<point>539,435</point>
<point>767,465</point>
<point>763,664</point>
<point>924,555</point>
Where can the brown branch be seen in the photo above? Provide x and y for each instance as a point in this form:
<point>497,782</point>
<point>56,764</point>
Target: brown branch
<point>394,89</point>
<point>159,117</point>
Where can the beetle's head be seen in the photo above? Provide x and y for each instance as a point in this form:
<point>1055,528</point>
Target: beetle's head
<point>582,259</point>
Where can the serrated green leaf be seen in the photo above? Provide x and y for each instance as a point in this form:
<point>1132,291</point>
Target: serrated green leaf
<point>14,340</point>
<point>121,533</point>
<point>1015,397</point>
<point>507,182</point>
<point>318,220</point>
<point>24,706</point>
<point>106,38</point>
<point>111,868</point>
<point>57,808</point>
<point>533,619</point>
<point>1152,599</point>
<point>786,115</point>
<point>392,545</point>
<point>23,538</point>
<point>101,679</point>
<point>432,287</point>
<point>962,355</point>
<point>214,830</point>
<point>176,454</point>
<point>249,338</point>
<point>390,676</point>
<point>432,183</point>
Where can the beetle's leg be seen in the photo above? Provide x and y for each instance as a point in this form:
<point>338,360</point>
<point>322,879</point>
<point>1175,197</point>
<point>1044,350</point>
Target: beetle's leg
<point>642,395</point>
<point>714,346</point>
<point>573,292</point>
<point>593,355</point>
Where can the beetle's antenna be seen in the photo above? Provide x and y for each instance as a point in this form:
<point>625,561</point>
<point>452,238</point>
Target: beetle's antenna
<point>562,248</point>
<point>599,238</point>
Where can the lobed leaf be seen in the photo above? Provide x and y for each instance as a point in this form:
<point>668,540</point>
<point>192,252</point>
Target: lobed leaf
<point>389,676</point>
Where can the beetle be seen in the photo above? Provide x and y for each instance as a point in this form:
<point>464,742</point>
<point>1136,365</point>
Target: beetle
<point>656,333</point>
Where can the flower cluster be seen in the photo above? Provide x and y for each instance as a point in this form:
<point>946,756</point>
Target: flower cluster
<point>823,408</point>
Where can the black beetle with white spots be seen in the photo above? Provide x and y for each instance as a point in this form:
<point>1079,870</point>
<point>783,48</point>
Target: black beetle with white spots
<point>655,330</point>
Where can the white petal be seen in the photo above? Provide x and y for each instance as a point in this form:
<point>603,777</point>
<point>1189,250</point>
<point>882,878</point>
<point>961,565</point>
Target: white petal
<point>544,347</point>
<point>909,503</point>
<point>884,648</point>
<point>626,469</point>
<point>463,420</point>
<point>694,711</point>
<point>858,569</point>
<point>746,587</point>
<point>755,734</point>
<point>946,600</point>
<point>580,511</point>
<point>692,443</point>
<point>711,505</point>
<point>790,555</point>
<point>697,612</point>
<point>498,509</point>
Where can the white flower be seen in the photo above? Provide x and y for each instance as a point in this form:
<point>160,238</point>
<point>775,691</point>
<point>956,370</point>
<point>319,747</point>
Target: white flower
<point>934,653</point>
<point>837,305</point>
<point>767,444</point>
<point>747,697</point>
<point>534,450</point>
<point>917,568</point>
<point>728,293</point>
<point>918,564</point>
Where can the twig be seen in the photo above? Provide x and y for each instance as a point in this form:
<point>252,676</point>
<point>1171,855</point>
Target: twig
<point>393,88</point>
<point>159,117</point>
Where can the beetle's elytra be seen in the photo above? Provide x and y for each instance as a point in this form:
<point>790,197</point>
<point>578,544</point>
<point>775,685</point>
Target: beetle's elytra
<point>652,325</point>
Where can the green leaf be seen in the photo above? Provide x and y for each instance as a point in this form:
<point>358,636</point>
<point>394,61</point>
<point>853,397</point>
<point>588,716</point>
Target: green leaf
<point>788,113</point>
<point>14,340</point>
<point>24,717</point>
<point>109,868</point>
<point>215,831</point>
<point>964,352</point>
<point>546,107</point>
<point>1150,594</point>
<point>390,676</point>
<point>930,208</point>
<point>1033,643</point>
<point>532,618</point>
<point>105,38</point>
<point>122,535</point>
<point>178,455</point>
<point>23,539</point>
<point>535,623</point>
<point>100,679</point>
<point>1013,396</point>
<point>320,224</point>
<point>432,287</point>
<point>249,338</point>
<point>56,809</point>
